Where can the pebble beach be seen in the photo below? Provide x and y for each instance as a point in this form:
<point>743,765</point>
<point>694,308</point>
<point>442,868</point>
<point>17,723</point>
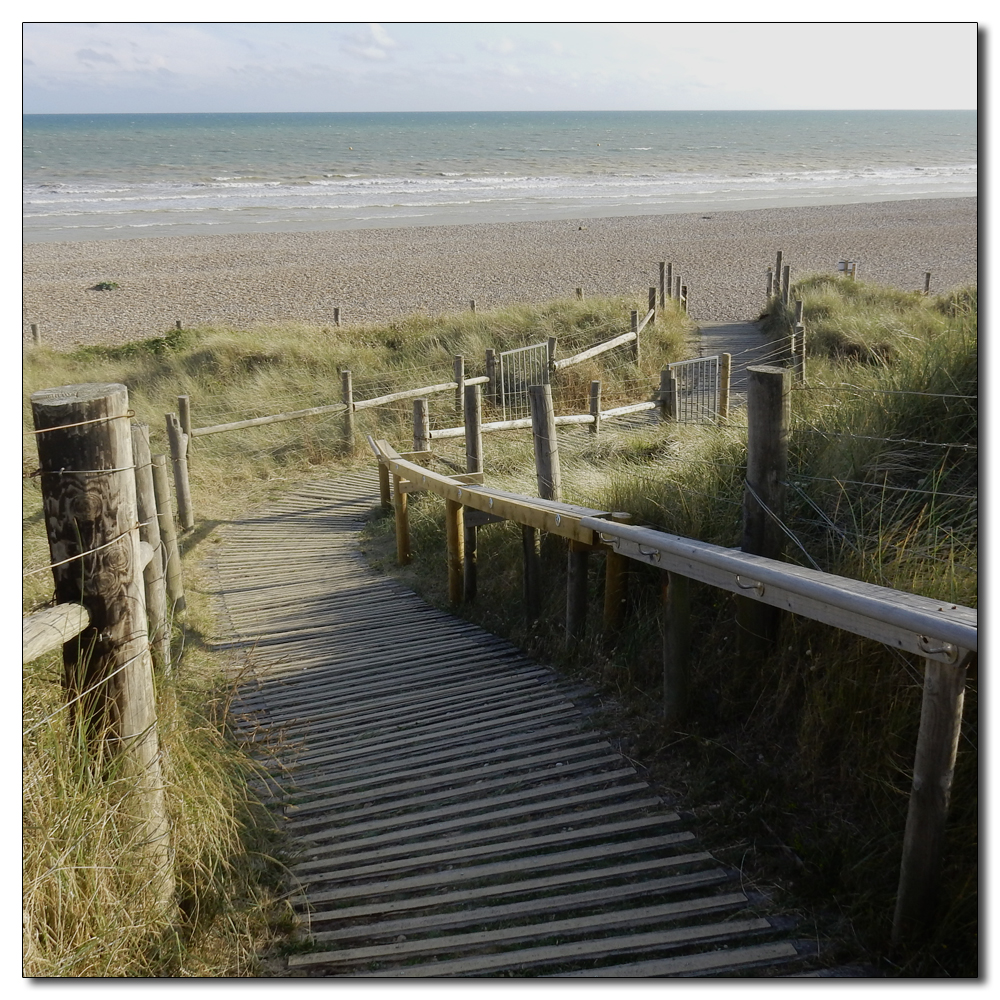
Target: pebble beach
<point>374,275</point>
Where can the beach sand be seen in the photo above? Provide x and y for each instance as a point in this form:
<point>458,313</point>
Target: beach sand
<point>379,274</point>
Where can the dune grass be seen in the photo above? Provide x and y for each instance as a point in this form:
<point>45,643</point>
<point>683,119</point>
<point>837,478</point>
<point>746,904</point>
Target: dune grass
<point>88,906</point>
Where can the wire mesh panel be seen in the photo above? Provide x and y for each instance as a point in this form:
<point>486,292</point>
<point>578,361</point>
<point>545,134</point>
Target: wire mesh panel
<point>518,369</point>
<point>697,382</point>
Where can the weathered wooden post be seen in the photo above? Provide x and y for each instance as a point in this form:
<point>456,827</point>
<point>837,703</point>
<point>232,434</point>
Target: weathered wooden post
<point>36,335</point>
<point>89,502</point>
<point>336,315</point>
<point>777,273</point>
<point>927,289</point>
<point>472,305</point>
<point>184,417</point>
<point>770,284</point>
<point>458,365</point>
<point>402,522</point>
<point>635,330</point>
<point>677,289</point>
<point>168,534</point>
<point>664,393</point>
<point>933,771</point>
<point>684,297</point>
<point>543,430</point>
<point>663,284</point>
<point>552,345</point>
<point>785,276</point>
<point>725,375</point>
<point>798,310</point>
<point>149,532</point>
<point>473,463</point>
<point>579,293</point>
<point>676,645</point>
<point>492,394</point>
<point>532,578</point>
<point>768,419</point>
<point>595,407</point>
<point>652,303</point>
<point>455,533</point>
<point>577,561</point>
<point>347,397</point>
<point>421,425</point>
<point>615,585</point>
<point>799,357</point>
<point>384,494</point>
<point>178,455</point>
<point>177,325</point>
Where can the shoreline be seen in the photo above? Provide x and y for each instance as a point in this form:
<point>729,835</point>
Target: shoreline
<point>380,273</point>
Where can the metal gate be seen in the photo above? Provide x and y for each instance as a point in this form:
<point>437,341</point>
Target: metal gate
<point>697,390</point>
<point>517,370</point>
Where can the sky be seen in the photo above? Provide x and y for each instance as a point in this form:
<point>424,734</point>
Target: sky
<point>217,66</point>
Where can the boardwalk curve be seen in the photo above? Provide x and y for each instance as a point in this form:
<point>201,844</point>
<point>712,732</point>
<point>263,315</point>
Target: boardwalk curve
<point>452,812</point>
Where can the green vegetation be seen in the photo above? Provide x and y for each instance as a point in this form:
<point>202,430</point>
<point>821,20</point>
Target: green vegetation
<point>104,286</point>
<point>797,769</point>
<point>88,907</point>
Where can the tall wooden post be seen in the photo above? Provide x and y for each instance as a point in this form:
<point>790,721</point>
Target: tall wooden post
<point>454,531</point>
<point>579,294</point>
<point>472,305</point>
<point>777,274</point>
<point>768,419</point>
<point>798,310</point>
<point>666,394</point>
<point>652,303</point>
<point>459,369</point>
<point>635,330</point>
<point>149,532</point>
<point>927,286</point>
<point>676,646</point>
<point>178,455</point>
<point>36,334</point>
<point>663,284</point>
<point>168,534</point>
<point>770,284</point>
<point>799,357</point>
<point>384,494</point>
<point>677,289</point>
<point>684,298</point>
<point>577,561</point>
<point>615,586</point>
<point>725,376</point>
<point>595,407</point>
<point>670,279</point>
<point>347,397</point>
<point>473,463</point>
<point>785,279</point>
<point>336,315</point>
<point>532,579</point>
<point>492,395</point>
<point>543,430</point>
<point>402,523</point>
<point>421,425</point>
<point>89,502</point>
<point>184,417</point>
<point>933,771</point>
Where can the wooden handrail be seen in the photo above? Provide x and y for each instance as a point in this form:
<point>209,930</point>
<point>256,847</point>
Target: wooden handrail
<point>49,629</point>
<point>933,629</point>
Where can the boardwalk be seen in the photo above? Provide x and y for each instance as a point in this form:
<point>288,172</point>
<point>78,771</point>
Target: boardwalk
<point>747,345</point>
<point>452,811</point>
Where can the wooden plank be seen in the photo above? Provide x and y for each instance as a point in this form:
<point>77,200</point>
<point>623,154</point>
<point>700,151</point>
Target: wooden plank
<point>852,605</point>
<point>593,352</point>
<point>589,949</point>
<point>557,859</point>
<point>723,960</point>
<point>47,630</point>
<point>524,932</point>
<point>544,905</point>
<point>470,478</point>
<point>392,397</point>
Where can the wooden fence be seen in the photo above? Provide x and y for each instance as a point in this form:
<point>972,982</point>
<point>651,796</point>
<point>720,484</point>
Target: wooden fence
<point>945,635</point>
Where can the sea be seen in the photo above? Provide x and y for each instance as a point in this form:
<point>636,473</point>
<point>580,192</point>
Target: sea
<point>103,177</point>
